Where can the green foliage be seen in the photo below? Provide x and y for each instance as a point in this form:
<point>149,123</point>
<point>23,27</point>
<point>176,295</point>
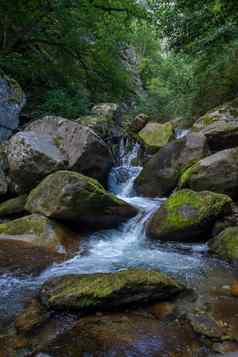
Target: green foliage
<point>65,103</point>
<point>59,43</point>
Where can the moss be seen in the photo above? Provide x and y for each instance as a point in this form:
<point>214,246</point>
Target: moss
<point>13,206</point>
<point>187,173</point>
<point>185,213</point>
<point>156,135</point>
<point>226,244</point>
<point>89,291</point>
<point>207,120</point>
<point>37,230</point>
<point>187,207</point>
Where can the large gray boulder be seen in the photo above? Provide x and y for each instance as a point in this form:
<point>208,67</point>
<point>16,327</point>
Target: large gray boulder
<point>70,196</point>
<point>220,126</point>
<point>86,152</point>
<point>12,100</point>
<point>31,157</point>
<point>217,172</point>
<point>161,173</point>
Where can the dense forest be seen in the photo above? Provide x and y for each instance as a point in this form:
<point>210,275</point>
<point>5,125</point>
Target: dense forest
<point>73,52</point>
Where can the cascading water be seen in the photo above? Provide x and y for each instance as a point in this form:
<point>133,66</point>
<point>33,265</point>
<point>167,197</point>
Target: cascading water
<point>127,246</point>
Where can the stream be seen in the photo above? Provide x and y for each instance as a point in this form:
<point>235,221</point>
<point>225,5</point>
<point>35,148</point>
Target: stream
<point>121,248</point>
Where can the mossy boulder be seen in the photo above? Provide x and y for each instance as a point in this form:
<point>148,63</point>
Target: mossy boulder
<point>225,244</point>
<point>161,173</point>
<point>70,196</point>
<point>38,230</point>
<point>187,216</point>
<point>220,126</point>
<point>108,290</point>
<point>13,206</point>
<point>12,100</point>
<point>154,135</point>
<point>217,172</point>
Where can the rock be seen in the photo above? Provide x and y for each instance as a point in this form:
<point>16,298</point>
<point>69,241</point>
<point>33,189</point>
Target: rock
<point>31,157</point>
<point>105,110</point>
<point>187,216</point>
<point>163,310</point>
<point>37,230</point>
<point>154,135</point>
<point>31,317</point>
<point>13,206</point>
<point>12,100</point>
<point>220,126</point>
<point>217,172</point>
<point>234,289</point>
<point>138,123</point>
<point>225,244</point>
<point>205,325</point>
<point>70,196</point>
<point>107,290</point>
<point>24,258</point>
<point>86,152</point>
<point>161,173</point>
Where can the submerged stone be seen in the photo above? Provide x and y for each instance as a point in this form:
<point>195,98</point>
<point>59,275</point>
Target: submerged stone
<point>23,258</point>
<point>187,216</point>
<point>108,290</point>
<point>70,196</point>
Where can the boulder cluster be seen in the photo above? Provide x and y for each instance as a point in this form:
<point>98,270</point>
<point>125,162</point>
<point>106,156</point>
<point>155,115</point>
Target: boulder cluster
<point>199,173</point>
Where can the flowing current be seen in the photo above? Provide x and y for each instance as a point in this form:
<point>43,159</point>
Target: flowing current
<point>116,249</point>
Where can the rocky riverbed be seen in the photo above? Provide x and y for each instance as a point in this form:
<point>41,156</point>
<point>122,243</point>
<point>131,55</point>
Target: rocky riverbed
<point>133,254</point>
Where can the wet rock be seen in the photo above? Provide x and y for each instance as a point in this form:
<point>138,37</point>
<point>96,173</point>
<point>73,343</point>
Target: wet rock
<point>24,258</point>
<point>33,316</point>
<point>31,157</point>
<point>86,152</point>
<point>161,173</point>
<point>205,325</point>
<point>103,291</point>
<point>154,135</point>
<point>163,310</point>
<point>217,172</point>
<point>234,289</point>
<point>225,245</point>
<point>187,216</point>
<point>72,197</point>
<point>138,123</point>
<point>37,230</point>
<point>105,110</point>
<point>220,126</point>
<point>12,100</point>
<point>13,206</point>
